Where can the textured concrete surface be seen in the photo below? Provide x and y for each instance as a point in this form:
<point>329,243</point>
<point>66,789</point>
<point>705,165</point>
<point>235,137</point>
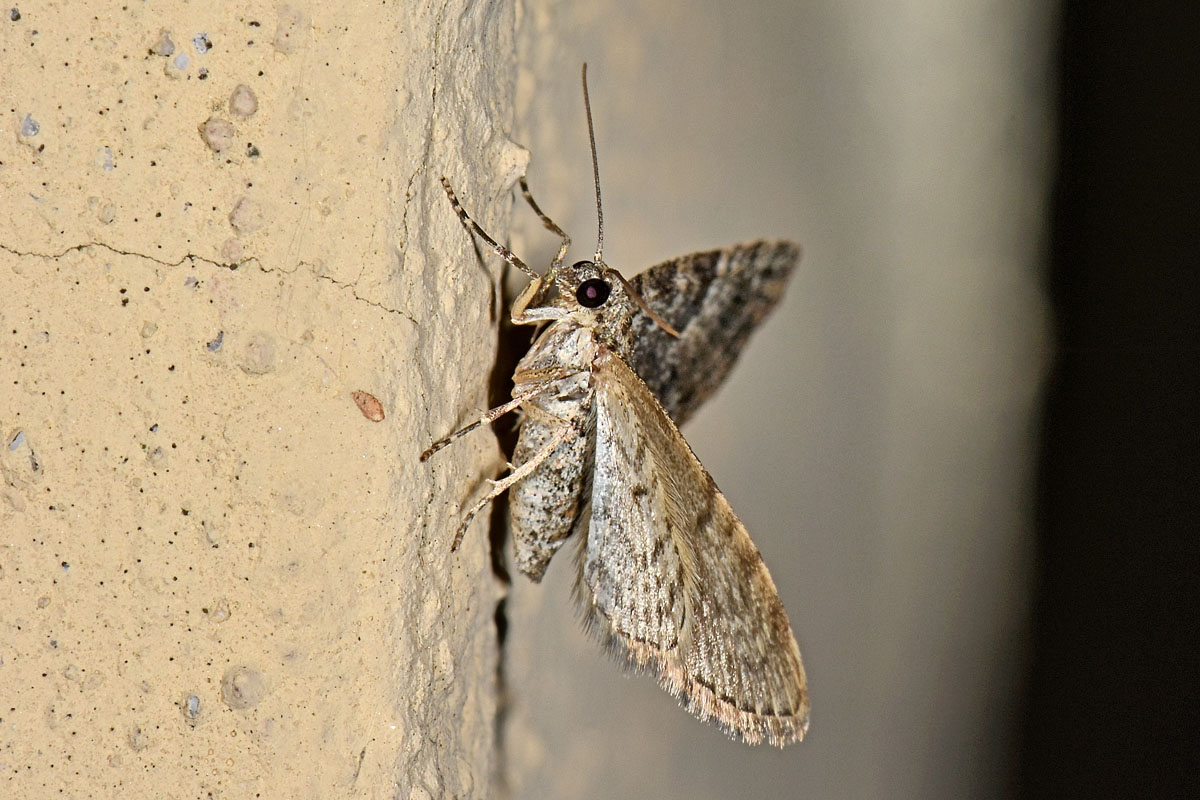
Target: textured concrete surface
<point>218,577</point>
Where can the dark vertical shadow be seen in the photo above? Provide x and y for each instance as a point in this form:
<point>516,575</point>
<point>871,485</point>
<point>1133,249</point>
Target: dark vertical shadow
<point>1111,704</point>
<point>513,342</point>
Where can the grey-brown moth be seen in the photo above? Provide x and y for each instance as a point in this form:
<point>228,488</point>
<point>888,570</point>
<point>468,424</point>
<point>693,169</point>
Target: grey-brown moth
<point>668,577</point>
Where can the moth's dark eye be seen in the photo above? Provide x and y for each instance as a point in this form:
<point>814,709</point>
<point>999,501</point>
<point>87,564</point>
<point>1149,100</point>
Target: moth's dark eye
<point>593,293</point>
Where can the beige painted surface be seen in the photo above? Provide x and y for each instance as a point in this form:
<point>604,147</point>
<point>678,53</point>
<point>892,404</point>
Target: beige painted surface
<point>217,577</point>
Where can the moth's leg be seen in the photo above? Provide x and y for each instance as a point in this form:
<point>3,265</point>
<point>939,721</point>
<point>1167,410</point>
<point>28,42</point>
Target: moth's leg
<point>550,224</point>
<point>491,415</point>
<point>531,383</point>
<point>501,486</point>
<point>468,223</point>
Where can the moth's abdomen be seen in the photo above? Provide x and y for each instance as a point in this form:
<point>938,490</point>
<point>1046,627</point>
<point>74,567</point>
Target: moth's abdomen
<point>544,506</point>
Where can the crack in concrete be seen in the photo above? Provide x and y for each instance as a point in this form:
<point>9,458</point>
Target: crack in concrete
<point>427,151</point>
<point>231,266</point>
<point>117,251</point>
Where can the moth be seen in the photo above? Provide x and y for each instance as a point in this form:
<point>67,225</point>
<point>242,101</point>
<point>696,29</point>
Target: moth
<point>668,578</point>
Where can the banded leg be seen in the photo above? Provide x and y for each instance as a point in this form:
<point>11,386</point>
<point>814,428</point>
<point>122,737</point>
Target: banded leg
<point>509,256</point>
<point>493,414</point>
<point>550,224</point>
<point>501,486</point>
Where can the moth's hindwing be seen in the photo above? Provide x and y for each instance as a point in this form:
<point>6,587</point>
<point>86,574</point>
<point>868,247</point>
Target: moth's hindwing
<point>715,300</point>
<point>670,577</point>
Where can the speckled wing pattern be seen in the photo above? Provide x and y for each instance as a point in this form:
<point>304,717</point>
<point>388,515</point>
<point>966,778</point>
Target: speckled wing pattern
<point>715,300</point>
<point>670,579</point>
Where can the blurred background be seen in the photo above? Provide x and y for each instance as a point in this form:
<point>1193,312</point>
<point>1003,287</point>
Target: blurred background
<point>962,442</point>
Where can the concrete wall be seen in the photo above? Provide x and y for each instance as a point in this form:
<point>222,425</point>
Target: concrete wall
<point>218,577</point>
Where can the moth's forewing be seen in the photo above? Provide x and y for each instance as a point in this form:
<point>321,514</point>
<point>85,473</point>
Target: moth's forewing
<point>670,577</point>
<point>715,300</point>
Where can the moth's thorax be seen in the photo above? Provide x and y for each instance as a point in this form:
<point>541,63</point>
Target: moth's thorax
<point>564,345</point>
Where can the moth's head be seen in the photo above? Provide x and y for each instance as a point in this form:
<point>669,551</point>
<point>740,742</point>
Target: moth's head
<point>585,291</point>
<point>589,293</point>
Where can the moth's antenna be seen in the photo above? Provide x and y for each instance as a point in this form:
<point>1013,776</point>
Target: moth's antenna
<point>587,105</point>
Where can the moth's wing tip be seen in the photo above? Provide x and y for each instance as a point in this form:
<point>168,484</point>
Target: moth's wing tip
<point>785,251</point>
<point>783,247</point>
<point>796,249</point>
